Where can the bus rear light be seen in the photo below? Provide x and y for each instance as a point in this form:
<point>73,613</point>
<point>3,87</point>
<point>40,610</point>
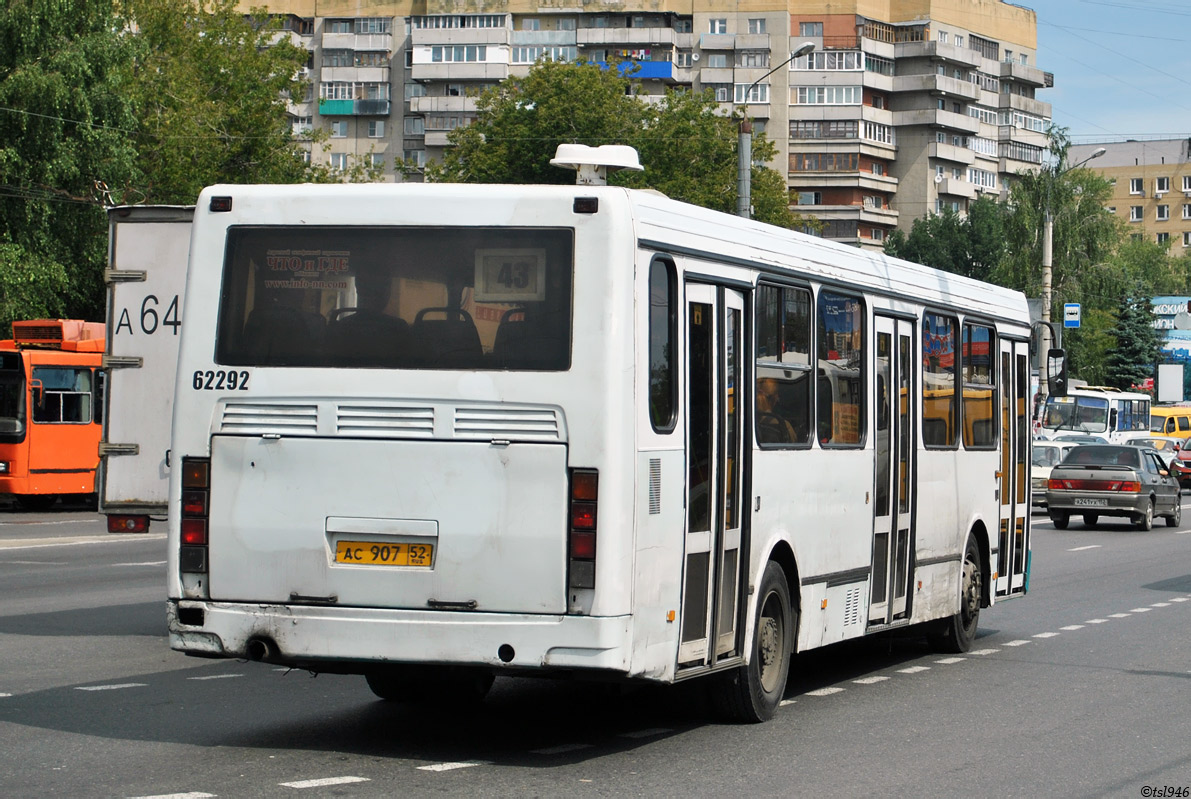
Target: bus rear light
<point>194,532</point>
<point>196,473</point>
<point>582,528</point>
<point>127,523</point>
<point>194,503</point>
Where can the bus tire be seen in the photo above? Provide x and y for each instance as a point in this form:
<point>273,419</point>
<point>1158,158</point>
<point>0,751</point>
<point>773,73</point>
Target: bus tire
<point>752,692</point>
<point>36,501</point>
<point>956,633</point>
<point>431,685</point>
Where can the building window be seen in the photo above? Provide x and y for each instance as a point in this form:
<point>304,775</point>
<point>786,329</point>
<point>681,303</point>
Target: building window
<point>943,37</point>
<point>414,89</point>
<point>374,25</point>
<point>530,55</point>
<point>752,58</point>
<point>338,26</point>
<point>1161,184</point>
<point>810,28</point>
<point>1163,213</point>
<point>376,128</point>
<point>682,59</point>
<point>339,129</point>
<point>459,53</point>
<point>378,160</point>
<point>415,126</point>
<point>723,91</point>
<point>1163,238</point>
<point>339,161</point>
<point>338,58</point>
<point>824,129</point>
<point>1186,182</point>
<point>1187,238</point>
<point>1135,186</point>
<point>824,162</point>
<point>810,198</point>
<point>531,24</point>
<point>982,178</point>
<point>1135,213</point>
<point>717,25</point>
<point>827,95</point>
<point>717,61</point>
<point>757,93</point>
<point>756,26</point>
<point>301,126</point>
<point>878,101</point>
<point>959,40</point>
<point>874,131</point>
<point>878,234</point>
<point>1009,56</point>
<point>986,48</point>
<point>882,66</point>
<point>415,157</point>
<point>878,169</point>
<point>371,58</point>
<point>1186,211</point>
<point>830,60</point>
<point>683,26</point>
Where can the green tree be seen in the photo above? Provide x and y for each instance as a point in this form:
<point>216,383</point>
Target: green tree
<point>687,147</point>
<point>66,124</point>
<point>1138,343</point>
<point>973,246</point>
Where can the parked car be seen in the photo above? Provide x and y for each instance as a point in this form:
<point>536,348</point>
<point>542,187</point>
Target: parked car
<point>1180,467</point>
<point>1044,456</point>
<point>1097,480</point>
<point>1079,438</point>
<point>1171,420</point>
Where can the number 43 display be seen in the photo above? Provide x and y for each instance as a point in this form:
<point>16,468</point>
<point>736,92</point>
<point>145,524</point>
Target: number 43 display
<point>515,275</point>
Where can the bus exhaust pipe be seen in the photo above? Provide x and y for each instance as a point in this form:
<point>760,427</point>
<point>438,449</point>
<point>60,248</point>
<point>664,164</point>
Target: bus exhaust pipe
<point>261,650</point>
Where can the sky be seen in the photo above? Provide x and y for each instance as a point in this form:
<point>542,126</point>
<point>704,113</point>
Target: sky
<point>1122,67</point>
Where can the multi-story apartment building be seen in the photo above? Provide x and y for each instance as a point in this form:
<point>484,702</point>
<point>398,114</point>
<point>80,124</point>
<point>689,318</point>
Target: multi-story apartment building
<point>1151,186</point>
<point>905,107</point>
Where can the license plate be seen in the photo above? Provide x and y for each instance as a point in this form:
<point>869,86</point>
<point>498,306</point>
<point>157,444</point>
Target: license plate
<point>1095,503</point>
<point>375,553</point>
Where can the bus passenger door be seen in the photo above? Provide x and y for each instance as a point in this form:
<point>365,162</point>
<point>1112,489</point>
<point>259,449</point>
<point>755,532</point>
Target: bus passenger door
<point>893,505</point>
<point>715,398</point>
<point>1013,544</point>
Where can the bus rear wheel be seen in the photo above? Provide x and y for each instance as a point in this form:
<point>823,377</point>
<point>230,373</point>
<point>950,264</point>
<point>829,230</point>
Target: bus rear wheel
<point>36,501</point>
<point>425,685</point>
<point>752,692</point>
<point>956,633</point>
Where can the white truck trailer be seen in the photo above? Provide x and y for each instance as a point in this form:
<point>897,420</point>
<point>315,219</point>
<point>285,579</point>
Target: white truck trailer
<point>148,248</point>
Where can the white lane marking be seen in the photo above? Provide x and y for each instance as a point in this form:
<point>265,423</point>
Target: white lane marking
<point>1141,610</point>
<point>1045,635</point>
<point>983,651</point>
<point>1179,599</point>
<point>1072,627</point>
<point>2,696</point>
<point>216,677</point>
<point>1118,615</point>
<point>785,702</point>
<point>323,783</point>
<point>949,661</point>
<point>825,691</point>
<point>37,562</point>
<point>1018,642</point>
<point>111,687</point>
<point>1081,549</point>
<point>870,680</point>
<point>447,766</point>
<point>39,543</point>
<point>560,750</point>
<point>914,669</point>
<point>1181,532</point>
<point>650,733</point>
<point>191,795</point>
<point>1160,605</point>
<point>1096,621</point>
<point>145,563</point>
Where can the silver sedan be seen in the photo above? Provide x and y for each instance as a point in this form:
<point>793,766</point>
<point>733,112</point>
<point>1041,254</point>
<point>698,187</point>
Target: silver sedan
<point>1109,480</point>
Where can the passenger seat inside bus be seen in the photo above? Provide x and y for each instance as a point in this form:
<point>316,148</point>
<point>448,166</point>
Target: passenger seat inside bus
<point>367,338</point>
<point>279,333</point>
<point>525,339</point>
<point>448,341</point>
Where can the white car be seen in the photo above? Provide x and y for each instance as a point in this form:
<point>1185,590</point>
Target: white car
<point>1168,446</point>
<point>1045,455</point>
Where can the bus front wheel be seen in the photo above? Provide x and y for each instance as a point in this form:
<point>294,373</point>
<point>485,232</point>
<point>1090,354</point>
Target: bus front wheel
<point>956,633</point>
<point>752,692</point>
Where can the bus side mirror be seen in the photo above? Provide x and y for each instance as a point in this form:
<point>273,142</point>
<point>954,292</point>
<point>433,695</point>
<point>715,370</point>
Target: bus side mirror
<point>1056,373</point>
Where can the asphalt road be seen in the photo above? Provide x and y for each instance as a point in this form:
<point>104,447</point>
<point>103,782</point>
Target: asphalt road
<point>1082,688</point>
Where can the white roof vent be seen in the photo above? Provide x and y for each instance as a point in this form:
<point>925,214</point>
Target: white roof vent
<point>594,163</point>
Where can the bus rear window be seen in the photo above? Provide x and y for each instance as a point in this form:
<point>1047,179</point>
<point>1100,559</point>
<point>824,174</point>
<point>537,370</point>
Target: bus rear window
<point>399,298</point>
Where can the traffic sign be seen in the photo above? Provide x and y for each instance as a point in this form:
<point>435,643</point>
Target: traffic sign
<point>1071,314</point>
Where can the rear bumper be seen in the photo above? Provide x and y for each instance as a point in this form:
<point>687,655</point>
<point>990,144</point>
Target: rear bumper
<point>357,639</point>
<point>1115,504</point>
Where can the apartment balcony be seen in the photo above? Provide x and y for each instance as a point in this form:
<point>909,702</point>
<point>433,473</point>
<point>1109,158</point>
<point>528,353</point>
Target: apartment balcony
<point>937,84</point>
<point>645,70</point>
<point>626,37</point>
<point>950,152</point>
<point>753,41</point>
<point>937,118</point>
<point>547,38</point>
<point>437,138</point>
<point>442,105</point>
<point>358,41</point>
<point>841,180</point>
<point>1023,135</point>
<point>938,50</point>
<point>422,37</point>
<point>717,41</point>
<point>1026,105</point>
<point>711,75</point>
<point>354,74</point>
<point>354,108</point>
<point>1023,73</point>
<point>862,213</point>
<point>875,80</point>
<point>460,71</point>
<point>957,188</point>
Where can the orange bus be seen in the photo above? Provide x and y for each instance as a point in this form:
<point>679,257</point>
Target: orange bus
<point>49,416</point>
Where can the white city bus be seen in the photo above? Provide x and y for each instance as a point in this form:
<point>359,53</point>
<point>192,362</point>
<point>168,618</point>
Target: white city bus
<point>1098,411</point>
<point>579,431</point>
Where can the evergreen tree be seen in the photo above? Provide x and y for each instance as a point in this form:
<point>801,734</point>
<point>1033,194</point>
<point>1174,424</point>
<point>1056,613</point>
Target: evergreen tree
<point>1138,344</point>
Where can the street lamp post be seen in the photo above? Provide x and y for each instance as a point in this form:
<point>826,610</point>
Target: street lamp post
<point>744,149</point>
<point>1048,235</point>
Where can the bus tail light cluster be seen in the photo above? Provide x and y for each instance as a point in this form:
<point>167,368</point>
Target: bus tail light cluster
<point>128,523</point>
<point>581,544</point>
<point>1128,486</point>
<point>196,493</point>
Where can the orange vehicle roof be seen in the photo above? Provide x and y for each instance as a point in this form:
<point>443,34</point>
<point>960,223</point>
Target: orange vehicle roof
<point>71,335</point>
